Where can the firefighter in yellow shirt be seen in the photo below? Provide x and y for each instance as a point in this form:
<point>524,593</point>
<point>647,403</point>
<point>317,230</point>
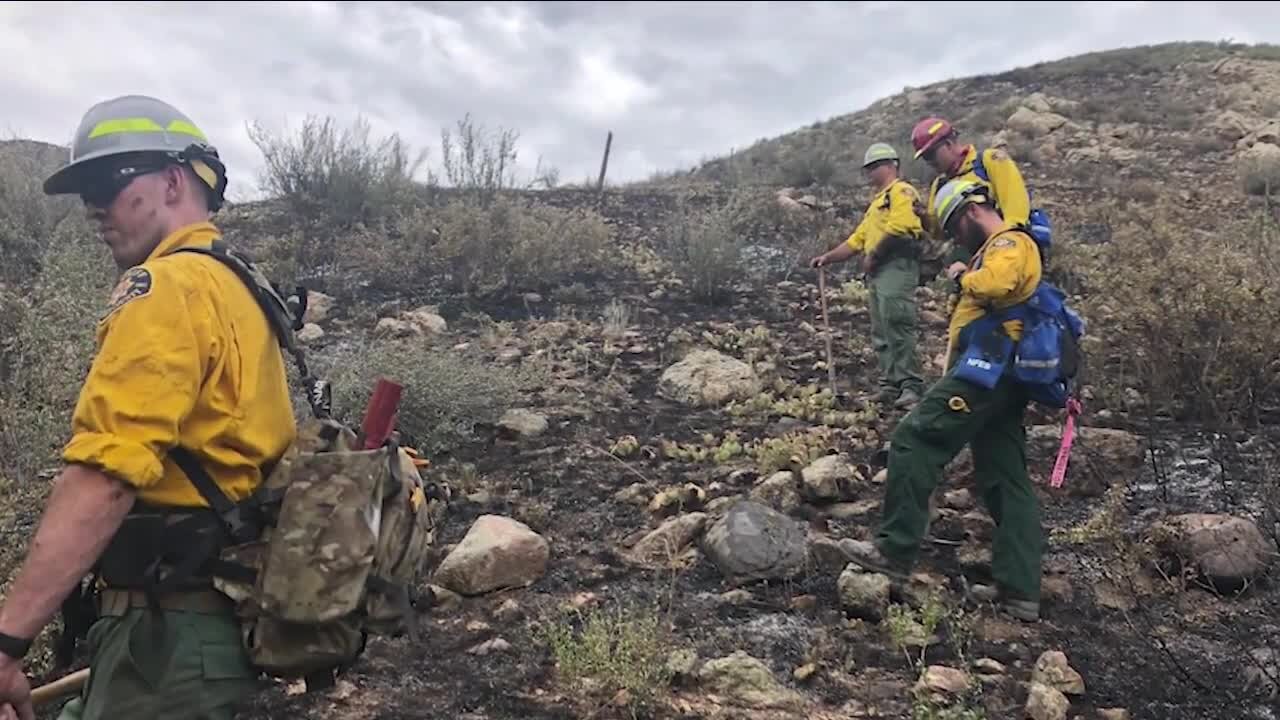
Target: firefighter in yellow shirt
<point>937,142</point>
<point>187,379</point>
<point>888,238</point>
<point>956,411</point>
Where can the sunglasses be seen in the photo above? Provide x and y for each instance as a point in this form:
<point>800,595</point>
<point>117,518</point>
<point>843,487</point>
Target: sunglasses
<point>101,187</point>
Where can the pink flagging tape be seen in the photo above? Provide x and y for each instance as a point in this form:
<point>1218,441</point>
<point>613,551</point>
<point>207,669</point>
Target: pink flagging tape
<point>1064,450</point>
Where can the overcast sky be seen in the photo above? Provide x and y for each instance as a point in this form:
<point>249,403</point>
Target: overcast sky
<point>675,81</point>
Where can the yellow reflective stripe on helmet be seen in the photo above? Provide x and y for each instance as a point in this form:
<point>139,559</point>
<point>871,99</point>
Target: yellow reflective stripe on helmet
<point>935,127</point>
<point>132,125</point>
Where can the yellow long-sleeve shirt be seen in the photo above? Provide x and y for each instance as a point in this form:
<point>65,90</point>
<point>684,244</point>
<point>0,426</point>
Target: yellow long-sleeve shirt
<point>892,213</point>
<point>1004,272</point>
<point>1008,188</point>
<point>184,355</point>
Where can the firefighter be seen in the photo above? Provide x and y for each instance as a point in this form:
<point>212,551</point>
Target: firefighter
<point>888,237</point>
<point>185,362</point>
<point>1004,271</point>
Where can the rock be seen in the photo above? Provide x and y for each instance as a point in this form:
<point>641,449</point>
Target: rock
<point>708,378</point>
<point>524,423</point>
<point>747,682</point>
<point>1258,166</point>
<point>310,333</point>
<point>509,355</point>
<point>779,492</point>
<point>1262,672</point>
<point>665,543</point>
<point>496,553</point>
<point>754,542</point>
<point>1231,126</point>
<point>319,306</point>
<point>443,598</point>
<point>864,595</point>
<point>633,494</point>
<point>1227,550</point>
<point>880,477</point>
<point>1113,714</point>
<point>508,611</point>
<point>1268,133</point>
<point>989,666</point>
<point>825,554</point>
<point>393,328</point>
<point>804,672</point>
<point>426,321</point>
<point>940,683</point>
<point>495,645</point>
<point>917,98</point>
<point>1037,102</point>
<point>1034,124</point>
<point>1053,670</point>
<point>1116,450</point>
<point>828,478</point>
<point>1045,703</point>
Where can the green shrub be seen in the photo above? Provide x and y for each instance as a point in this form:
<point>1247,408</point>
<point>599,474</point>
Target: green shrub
<point>1187,318</point>
<point>340,175</point>
<point>47,347</point>
<point>619,649</point>
<point>446,392</point>
<point>505,247</point>
<point>27,216</point>
<point>703,247</point>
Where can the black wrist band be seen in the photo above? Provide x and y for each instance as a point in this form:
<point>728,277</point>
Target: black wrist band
<point>14,647</point>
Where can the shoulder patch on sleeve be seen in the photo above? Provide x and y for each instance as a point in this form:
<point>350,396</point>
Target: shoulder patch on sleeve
<point>1003,242</point>
<point>135,283</point>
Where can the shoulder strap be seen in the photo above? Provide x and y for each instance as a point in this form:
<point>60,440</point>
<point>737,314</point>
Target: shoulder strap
<point>279,316</point>
<point>979,167</point>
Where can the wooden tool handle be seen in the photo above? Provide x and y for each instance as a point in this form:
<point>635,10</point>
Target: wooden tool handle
<point>63,686</point>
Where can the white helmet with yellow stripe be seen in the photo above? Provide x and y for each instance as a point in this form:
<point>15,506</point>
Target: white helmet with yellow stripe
<point>955,195</point>
<point>133,124</point>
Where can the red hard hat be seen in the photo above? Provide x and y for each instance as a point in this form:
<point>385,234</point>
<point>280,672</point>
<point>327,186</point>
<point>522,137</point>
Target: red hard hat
<point>928,132</point>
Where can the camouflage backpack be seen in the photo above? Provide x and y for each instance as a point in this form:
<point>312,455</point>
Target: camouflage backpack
<point>330,548</point>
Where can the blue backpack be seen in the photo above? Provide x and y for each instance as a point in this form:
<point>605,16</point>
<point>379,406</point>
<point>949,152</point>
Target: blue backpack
<point>1038,226</point>
<point>1046,361</point>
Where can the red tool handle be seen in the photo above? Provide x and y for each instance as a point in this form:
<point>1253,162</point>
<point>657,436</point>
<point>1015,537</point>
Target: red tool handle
<point>380,414</point>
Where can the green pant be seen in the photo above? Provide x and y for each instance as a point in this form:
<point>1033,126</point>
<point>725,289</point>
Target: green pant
<point>175,665</point>
<point>893,324</point>
<point>928,438</point>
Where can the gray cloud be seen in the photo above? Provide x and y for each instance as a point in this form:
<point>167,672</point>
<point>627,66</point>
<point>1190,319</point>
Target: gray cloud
<point>675,82</point>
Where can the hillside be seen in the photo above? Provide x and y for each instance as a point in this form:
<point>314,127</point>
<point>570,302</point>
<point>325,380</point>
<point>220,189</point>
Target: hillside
<point>1105,127</point>
<point>618,372</point>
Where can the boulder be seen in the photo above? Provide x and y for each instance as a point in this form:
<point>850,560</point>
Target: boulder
<point>523,423</point>
<point>319,306</point>
<point>754,542</point>
<point>310,333</point>
<point>708,378</point>
<point>1228,551</point>
<point>746,681</point>
<point>496,553</point>
<point>829,478</point>
<point>864,595</point>
<point>1034,124</point>
<point>779,491</point>
<point>1053,670</point>
<point>1046,703</point>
